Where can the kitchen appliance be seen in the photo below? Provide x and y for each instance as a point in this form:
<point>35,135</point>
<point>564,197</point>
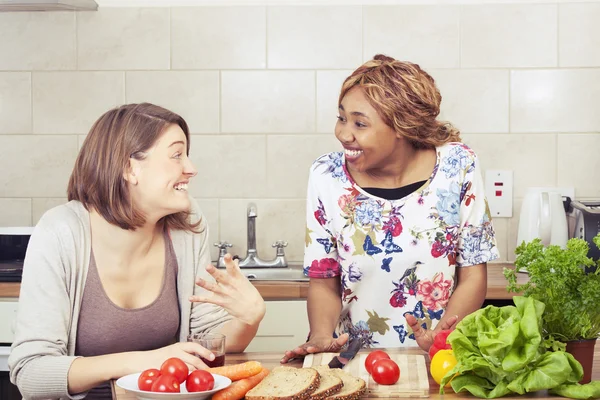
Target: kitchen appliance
<point>413,382</point>
<point>584,221</point>
<point>543,216</point>
<point>13,246</point>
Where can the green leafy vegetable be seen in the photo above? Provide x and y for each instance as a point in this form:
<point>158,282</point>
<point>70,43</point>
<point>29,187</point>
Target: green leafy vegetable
<point>557,279</point>
<point>501,350</point>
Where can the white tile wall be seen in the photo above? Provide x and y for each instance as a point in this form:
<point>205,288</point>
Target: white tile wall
<point>555,100</point>
<point>123,38</point>
<point>267,101</point>
<point>508,36</point>
<point>426,35</point>
<point>475,101</point>
<point>522,153</point>
<point>36,165</point>
<point>70,102</point>
<point>218,37</point>
<point>259,86</point>
<point>329,84</point>
<point>37,41</point>
<point>194,94</point>
<point>314,37</point>
<point>15,102</point>
<point>229,166</point>
<point>17,212</point>
<point>579,35</point>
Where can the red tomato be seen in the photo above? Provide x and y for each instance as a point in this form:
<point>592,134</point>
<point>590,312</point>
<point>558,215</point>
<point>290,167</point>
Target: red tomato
<point>166,383</point>
<point>199,381</point>
<point>374,356</point>
<point>385,372</point>
<point>147,378</point>
<point>174,366</point>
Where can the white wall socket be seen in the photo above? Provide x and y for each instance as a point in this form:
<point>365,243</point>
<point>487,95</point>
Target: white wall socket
<point>499,192</point>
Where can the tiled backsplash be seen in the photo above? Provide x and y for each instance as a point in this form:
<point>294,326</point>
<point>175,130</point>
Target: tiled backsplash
<point>259,86</point>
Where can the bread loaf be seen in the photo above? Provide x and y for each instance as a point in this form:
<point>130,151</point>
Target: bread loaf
<point>286,383</point>
<point>352,387</point>
<point>330,383</point>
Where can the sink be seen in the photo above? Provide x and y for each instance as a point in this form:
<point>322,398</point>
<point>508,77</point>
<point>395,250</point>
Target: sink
<point>291,273</point>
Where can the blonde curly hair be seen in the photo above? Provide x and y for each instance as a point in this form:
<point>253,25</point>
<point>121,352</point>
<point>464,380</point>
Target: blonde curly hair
<point>406,98</point>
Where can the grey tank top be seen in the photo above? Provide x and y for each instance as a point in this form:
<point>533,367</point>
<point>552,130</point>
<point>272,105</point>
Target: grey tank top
<point>105,328</point>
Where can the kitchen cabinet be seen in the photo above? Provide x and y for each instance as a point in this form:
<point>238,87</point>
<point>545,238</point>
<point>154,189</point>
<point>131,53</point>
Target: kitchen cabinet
<point>8,314</point>
<point>284,327</point>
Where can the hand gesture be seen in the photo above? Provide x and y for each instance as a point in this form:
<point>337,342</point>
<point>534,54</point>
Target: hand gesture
<point>232,291</point>
<point>424,337</point>
<point>323,344</point>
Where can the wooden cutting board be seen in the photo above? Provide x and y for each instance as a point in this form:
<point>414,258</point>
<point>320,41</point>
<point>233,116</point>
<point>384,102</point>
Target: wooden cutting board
<point>413,382</point>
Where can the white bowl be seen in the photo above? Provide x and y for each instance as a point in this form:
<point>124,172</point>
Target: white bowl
<point>130,384</point>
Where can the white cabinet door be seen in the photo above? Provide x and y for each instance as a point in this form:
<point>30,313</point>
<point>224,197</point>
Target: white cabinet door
<point>8,315</point>
<point>284,327</point>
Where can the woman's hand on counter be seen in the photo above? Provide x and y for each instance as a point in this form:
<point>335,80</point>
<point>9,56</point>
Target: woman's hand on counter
<point>325,344</point>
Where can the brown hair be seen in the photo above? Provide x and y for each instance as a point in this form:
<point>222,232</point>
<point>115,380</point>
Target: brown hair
<point>120,134</point>
<point>405,97</point>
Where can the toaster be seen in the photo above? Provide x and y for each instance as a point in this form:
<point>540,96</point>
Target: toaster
<point>585,222</point>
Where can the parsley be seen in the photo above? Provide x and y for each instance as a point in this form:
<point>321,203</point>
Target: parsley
<point>557,279</point>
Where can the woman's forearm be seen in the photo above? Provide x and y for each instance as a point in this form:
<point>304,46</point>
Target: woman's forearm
<point>324,306</point>
<point>88,372</point>
<point>469,293</point>
<point>239,334</point>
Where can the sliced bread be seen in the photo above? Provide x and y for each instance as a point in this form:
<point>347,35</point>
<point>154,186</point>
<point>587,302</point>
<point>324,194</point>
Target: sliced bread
<point>353,387</point>
<point>330,383</point>
<point>286,383</point>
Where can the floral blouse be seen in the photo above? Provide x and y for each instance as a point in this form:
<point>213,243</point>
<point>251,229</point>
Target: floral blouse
<point>396,256</point>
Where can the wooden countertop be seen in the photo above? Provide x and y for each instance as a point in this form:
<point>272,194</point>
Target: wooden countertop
<point>285,290</point>
<point>271,360</point>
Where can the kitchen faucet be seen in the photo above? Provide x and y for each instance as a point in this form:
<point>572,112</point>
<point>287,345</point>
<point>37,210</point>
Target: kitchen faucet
<point>252,259</point>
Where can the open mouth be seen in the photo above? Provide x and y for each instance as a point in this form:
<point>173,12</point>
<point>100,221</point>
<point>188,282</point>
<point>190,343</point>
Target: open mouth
<point>352,154</point>
<point>181,187</point>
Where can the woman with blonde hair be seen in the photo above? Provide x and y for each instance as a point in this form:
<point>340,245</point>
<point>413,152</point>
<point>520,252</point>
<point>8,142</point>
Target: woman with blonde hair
<point>398,228</point>
<point>116,279</point>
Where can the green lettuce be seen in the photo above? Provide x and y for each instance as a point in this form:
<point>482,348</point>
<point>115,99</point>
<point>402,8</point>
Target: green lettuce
<point>501,351</point>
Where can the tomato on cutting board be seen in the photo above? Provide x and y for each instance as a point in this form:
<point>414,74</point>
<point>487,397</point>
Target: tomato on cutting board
<point>374,356</point>
<point>385,371</point>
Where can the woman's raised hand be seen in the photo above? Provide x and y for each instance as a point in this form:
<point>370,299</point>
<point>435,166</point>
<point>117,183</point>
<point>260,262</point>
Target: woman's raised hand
<point>232,291</point>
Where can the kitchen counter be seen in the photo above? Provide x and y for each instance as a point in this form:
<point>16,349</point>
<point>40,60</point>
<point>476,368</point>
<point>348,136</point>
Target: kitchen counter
<point>286,290</point>
<point>271,360</point>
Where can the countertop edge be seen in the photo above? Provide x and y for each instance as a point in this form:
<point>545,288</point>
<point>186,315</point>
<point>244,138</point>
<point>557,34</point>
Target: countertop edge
<point>298,290</point>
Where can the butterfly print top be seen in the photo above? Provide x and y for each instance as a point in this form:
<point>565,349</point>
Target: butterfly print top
<point>396,256</point>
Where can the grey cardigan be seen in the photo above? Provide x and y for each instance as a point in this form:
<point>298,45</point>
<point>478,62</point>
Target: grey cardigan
<point>54,276</point>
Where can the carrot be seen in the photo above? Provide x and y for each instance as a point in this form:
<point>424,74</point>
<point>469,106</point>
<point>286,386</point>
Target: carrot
<point>238,371</point>
<point>237,390</point>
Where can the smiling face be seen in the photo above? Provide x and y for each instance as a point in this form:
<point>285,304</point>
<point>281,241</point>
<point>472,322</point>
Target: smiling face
<point>369,144</point>
<point>159,177</point>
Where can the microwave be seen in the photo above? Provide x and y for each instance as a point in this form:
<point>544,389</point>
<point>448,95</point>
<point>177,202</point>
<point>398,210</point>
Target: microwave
<point>13,246</point>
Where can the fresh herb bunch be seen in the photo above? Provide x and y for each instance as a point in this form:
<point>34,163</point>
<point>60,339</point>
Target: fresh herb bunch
<point>557,279</point>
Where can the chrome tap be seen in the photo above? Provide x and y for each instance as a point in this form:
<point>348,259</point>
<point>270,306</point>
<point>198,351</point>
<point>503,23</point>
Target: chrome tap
<point>223,246</point>
<point>252,259</point>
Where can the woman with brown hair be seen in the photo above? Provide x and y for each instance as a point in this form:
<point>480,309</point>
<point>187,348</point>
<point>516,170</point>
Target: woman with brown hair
<point>398,229</point>
<point>116,279</point>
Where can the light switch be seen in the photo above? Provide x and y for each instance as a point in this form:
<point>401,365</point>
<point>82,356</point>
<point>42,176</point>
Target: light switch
<point>499,192</point>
